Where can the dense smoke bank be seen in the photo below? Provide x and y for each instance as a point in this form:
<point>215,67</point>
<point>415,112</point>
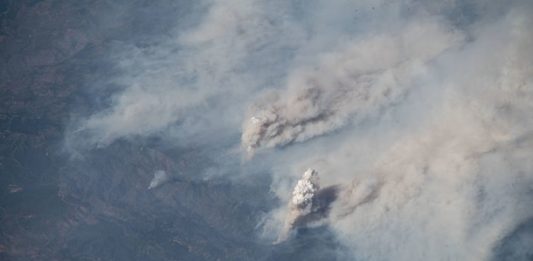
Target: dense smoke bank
<point>354,83</point>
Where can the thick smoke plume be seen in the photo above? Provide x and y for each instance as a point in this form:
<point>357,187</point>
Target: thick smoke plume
<point>309,203</point>
<point>305,190</point>
<point>354,83</point>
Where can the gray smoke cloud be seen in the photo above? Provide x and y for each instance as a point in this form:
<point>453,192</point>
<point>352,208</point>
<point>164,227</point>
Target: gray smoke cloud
<point>423,109</point>
<point>355,82</point>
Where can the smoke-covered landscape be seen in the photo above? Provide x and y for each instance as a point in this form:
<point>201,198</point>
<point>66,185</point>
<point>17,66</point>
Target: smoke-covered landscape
<point>266,130</point>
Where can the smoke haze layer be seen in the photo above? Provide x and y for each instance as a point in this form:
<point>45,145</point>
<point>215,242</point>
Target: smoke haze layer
<point>418,113</point>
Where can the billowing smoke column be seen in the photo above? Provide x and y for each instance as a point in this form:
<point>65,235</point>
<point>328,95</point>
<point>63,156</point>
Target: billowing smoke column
<point>308,204</point>
<point>353,83</point>
<point>301,203</point>
<point>305,190</point>
<point>160,177</point>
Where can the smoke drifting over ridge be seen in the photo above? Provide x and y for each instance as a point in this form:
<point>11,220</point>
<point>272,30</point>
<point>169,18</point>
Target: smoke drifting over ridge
<point>441,172</point>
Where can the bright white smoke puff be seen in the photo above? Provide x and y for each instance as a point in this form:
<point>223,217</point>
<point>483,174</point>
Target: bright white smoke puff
<point>160,177</point>
<point>301,203</point>
<point>356,82</point>
<point>310,203</point>
<point>305,190</point>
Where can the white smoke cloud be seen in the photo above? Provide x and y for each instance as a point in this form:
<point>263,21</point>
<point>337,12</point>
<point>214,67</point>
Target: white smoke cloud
<point>305,189</point>
<point>301,203</point>
<point>160,177</point>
